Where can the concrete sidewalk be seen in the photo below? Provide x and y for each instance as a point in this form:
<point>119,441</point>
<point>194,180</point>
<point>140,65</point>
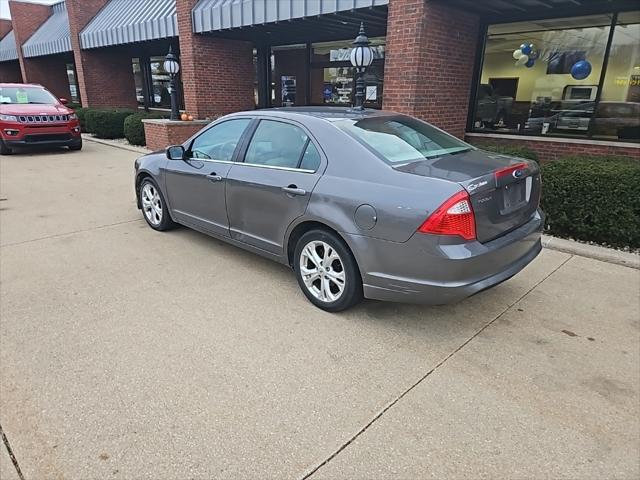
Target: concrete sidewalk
<point>127,353</point>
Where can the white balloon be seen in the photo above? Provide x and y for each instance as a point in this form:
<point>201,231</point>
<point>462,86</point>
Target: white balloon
<point>517,54</point>
<point>522,60</point>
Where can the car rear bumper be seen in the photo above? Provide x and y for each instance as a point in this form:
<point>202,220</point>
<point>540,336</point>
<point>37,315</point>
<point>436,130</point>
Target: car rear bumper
<point>427,269</point>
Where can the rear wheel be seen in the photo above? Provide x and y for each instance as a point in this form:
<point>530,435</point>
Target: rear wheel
<point>154,208</point>
<point>4,150</point>
<point>327,271</point>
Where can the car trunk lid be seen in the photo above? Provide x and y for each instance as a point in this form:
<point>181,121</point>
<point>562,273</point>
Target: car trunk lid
<point>504,191</point>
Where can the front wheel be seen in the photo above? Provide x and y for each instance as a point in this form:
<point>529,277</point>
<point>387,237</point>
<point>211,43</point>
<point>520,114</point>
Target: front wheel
<point>76,146</point>
<point>327,271</point>
<point>154,208</point>
<point>4,150</point>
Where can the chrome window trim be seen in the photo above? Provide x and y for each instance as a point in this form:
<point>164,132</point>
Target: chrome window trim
<point>273,167</point>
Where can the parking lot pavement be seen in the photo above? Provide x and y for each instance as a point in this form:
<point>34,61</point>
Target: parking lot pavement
<point>129,353</point>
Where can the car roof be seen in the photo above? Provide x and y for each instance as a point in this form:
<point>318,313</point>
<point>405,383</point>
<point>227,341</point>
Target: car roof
<point>326,113</point>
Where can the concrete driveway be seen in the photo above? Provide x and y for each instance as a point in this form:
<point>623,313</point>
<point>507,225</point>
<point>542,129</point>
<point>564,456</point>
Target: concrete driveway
<point>127,353</point>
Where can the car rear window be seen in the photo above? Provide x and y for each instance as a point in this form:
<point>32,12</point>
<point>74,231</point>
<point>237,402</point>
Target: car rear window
<point>402,139</point>
<point>13,95</point>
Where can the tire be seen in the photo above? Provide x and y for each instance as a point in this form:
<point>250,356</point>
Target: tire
<point>4,150</point>
<point>314,275</point>
<point>76,146</point>
<point>154,207</point>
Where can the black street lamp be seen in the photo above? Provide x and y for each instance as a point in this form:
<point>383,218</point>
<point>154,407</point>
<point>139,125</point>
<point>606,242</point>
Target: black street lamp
<point>172,67</point>
<point>361,58</point>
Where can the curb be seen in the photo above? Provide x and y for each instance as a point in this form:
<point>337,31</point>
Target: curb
<point>596,252</point>
<point>130,148</point>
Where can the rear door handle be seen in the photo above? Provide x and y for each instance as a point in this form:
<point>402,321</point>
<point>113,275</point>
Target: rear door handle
<point>214,178</point>
<point>293,190</point>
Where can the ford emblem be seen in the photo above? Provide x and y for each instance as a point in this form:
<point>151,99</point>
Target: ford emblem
<point>518,173</point>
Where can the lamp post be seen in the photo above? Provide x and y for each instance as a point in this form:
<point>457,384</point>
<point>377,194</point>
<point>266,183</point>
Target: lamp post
<point>172,67</point>
<point>361,58</point>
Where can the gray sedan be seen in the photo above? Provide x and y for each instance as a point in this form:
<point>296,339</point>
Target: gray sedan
<point>359,203</point>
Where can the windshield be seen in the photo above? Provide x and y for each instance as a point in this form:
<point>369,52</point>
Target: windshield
<point>402,139</point>
<point>22,95</point>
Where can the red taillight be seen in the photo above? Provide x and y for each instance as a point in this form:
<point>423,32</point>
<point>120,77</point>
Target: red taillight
<point>509,170</point>
<point>453,217</point>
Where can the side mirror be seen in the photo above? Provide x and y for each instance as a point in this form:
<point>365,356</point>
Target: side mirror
<point>63,101</point>
<point>175,152</point>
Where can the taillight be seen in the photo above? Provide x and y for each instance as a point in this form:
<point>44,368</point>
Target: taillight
<point>453,217</point>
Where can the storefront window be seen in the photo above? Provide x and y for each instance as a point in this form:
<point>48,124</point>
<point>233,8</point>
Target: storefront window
<point>153,83</point>
<point>73,83</point>
<point>333,77</point>
<point>617,116</point>
<point>550,86</point>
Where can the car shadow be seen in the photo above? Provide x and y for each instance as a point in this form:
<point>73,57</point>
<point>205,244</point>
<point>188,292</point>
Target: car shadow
<point>373,310</point>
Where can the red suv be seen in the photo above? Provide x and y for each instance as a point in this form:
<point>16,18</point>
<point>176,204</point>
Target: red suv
<point>31,115</point>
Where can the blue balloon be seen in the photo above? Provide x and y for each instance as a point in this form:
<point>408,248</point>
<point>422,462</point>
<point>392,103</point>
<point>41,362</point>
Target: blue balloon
<point>534,55</point>
<point>581,70</point>
<point>526,48</point>
<point>530,63</point>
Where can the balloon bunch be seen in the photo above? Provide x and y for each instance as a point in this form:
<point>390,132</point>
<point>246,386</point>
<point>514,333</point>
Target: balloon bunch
<point>526,55</point>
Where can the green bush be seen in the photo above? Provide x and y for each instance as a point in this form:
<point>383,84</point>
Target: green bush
<point>73,105</point>
<point>134,128</point>
<point>593,198</point>
<point>512,150</point>
<point>81,113</point>
<point>106,123</point>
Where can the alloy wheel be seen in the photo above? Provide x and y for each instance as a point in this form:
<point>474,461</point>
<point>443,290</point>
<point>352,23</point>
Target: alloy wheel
<point>151,204</point>
<point>322,271</point>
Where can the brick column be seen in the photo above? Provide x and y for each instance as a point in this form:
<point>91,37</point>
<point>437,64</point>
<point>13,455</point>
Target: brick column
<point>105,75</point>
<point>217,74</point>
<point>429,62</point>
<point>5,27</point>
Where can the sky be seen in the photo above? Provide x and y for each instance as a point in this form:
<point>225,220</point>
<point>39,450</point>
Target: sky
<point>4,6</point>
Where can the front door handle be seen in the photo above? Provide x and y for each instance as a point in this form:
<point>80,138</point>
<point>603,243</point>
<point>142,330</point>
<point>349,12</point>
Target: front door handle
<point>293,190</point>
<point>214,178</point>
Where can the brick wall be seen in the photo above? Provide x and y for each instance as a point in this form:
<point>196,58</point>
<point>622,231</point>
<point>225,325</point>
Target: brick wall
<point>10,72</point>
<point>5,27</point>
<point>217,74</point>
<point>105,75</point>
<point>552,150</point>
<point>26,18</point>
<point>429,63</point>
<point>51,72</point>
<point>162,133</point>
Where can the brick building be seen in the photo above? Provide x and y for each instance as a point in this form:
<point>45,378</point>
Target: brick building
<point>574,87</point>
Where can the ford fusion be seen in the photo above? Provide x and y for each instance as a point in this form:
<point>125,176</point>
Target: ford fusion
<point>360,203</point>
<point>30,115</point>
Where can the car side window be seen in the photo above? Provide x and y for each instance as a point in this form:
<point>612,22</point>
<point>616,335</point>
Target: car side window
<point>219,142</point>
<point>311,158</point>
<point>276,144</point>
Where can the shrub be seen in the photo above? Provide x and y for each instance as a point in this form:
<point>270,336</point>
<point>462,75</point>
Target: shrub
<point>81,113</point>
<point>73,105</point>
<point>134,128</point>
<point>593,198</point>
<point>512,150</point>
<point>106,123</point>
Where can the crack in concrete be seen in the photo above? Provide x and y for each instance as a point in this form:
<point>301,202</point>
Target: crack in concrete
<point>420,380</point>
<point>66,234</point>
<point>13,458</point>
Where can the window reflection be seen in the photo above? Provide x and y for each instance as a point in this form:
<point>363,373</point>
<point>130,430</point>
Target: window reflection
<point>558,91</point>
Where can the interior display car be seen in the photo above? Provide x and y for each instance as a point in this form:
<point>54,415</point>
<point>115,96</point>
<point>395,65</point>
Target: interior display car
<point>360,203</point>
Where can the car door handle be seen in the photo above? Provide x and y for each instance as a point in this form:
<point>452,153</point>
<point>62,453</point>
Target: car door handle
<point>214,178</point>
<point>293,190</point>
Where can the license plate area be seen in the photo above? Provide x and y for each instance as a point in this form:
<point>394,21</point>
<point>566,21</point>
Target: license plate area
<point>514,197</point>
